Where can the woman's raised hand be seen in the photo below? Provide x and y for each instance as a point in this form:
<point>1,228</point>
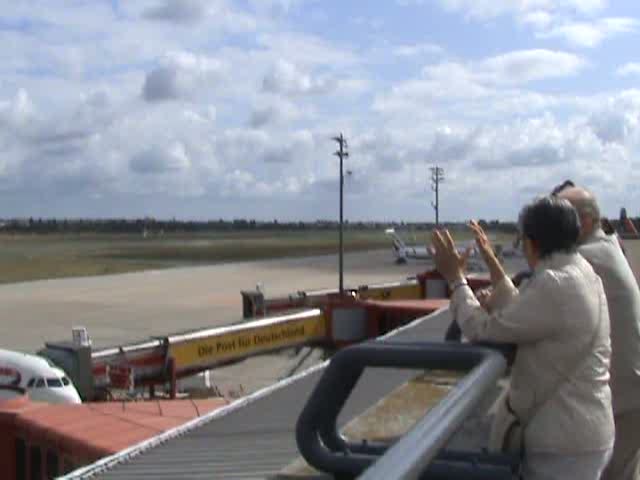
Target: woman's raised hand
<point>448,261</point>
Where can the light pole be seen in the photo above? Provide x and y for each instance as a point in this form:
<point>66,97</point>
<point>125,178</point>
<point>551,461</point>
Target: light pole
<point>341,154</point>
<point>437,177</point>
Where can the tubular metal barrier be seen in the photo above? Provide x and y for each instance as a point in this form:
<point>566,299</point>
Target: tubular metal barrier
<point>509,350</point>
<point>415,455</point>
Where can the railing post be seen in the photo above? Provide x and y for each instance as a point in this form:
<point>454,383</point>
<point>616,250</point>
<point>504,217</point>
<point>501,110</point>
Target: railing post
<point>173,383</point>
<point>324,448</point>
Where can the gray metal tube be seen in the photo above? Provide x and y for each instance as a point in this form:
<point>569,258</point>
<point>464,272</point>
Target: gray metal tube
<point>411,454</point>
<point>316,431</point>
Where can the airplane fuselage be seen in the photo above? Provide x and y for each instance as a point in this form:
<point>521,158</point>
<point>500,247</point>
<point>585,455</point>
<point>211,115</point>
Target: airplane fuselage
<point>41,380</point>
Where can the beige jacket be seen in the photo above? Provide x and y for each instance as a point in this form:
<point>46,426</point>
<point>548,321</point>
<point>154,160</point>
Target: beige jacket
<point>623,297</point>
<point>560,363</point>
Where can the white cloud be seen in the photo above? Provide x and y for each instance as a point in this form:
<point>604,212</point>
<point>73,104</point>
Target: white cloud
<point>594,145</point>
<point>611,127</point>
<point>182,75</point>
<point>617,120</point>
<point>157,99</point>
<point>591,34</point>
<point>286,78</point>
<point>161,84</point>
<point>529,65</point>
<point>630,68</point>
<point>488,78</point>
<point>418,49</point>
<point>487,9</point>
<point>512,68</point>
<point>306,50</point>
<point>190,12</point>
<point>524,157</point>
<point>538,19</point>
<point>18,110</point>
<point>279,5</point>
<point>170,158</point>
<point>243,184</point>
<point>298,144</point>
<point>452,146</point>
<point>138,153</point>
<point>186,11</point>
<point>408,3</point>
<point>373,23</point>
<point>274,112</point>
<point>574,21</point>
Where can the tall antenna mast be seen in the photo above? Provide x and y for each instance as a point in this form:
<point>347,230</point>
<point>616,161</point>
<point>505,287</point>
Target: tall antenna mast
<point>437,177</point>
<point>342,154</point>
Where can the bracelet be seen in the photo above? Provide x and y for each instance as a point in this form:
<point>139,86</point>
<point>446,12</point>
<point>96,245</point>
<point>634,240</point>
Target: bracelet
<point>453,286</point>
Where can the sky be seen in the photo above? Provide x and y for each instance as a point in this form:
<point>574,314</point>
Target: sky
<point>208,109</point>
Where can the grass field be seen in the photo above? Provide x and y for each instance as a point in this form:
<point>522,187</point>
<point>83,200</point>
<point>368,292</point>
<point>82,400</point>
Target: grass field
<point>33,257</point>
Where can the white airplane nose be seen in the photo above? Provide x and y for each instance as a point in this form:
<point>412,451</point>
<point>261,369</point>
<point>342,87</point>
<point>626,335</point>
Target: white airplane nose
<point>65,397</point>
<point>71,396</point>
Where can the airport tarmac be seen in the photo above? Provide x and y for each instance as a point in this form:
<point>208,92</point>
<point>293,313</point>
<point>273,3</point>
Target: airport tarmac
<point>120,308</point>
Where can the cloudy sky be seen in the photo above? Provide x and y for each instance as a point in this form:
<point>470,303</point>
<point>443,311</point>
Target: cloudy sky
<point>207,109</point>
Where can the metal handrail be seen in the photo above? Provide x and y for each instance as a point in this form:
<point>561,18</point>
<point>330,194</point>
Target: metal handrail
<point>410,456</point>
<point>325,449</point>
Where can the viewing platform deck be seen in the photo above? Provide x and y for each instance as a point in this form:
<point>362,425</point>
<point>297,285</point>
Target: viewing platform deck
<point>254,437</point>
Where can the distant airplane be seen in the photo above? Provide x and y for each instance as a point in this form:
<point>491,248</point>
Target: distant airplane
<point>42,380</point>
<point>404,252</point>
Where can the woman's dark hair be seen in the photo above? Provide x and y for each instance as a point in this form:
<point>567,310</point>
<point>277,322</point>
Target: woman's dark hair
<point>552,223</point>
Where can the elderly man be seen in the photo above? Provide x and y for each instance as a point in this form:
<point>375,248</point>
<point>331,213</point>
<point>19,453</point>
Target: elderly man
<point>623,297</point>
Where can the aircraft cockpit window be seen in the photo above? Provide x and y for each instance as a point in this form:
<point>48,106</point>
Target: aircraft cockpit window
<point>54,382</point>
<point>31,382</point>
<point>66,381</point>
<point>40,383</point>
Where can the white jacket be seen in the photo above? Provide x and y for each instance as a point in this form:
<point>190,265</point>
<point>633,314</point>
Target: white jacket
<point>560,323</point>
<point>604,254</point>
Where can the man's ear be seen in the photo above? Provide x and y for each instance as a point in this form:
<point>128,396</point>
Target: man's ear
<point>586,223</point>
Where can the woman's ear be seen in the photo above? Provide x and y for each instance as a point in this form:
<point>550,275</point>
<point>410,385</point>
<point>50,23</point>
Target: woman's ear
<point>531,249</point>
<point>535,246</point>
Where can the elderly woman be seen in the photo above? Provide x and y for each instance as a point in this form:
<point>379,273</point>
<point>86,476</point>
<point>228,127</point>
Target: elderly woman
<point>559,320</point>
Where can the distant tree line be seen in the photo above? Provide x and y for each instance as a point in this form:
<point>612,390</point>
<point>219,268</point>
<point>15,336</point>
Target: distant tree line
<point>155,226</point>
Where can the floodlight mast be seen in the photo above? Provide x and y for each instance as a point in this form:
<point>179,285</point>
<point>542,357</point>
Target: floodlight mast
<point>437,177</point>
<point>341,154</point>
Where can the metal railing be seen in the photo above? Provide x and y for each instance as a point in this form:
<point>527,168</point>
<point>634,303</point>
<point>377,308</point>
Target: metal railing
<point>418,453</point>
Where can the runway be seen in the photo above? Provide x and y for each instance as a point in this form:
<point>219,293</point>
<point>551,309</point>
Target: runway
<point>122,308</point>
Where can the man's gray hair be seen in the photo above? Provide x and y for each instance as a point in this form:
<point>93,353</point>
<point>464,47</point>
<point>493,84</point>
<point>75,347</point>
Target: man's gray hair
<point>587,206</point>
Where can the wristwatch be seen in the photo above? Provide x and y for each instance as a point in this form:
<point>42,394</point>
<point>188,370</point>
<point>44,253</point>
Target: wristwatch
<point>453,286</point>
